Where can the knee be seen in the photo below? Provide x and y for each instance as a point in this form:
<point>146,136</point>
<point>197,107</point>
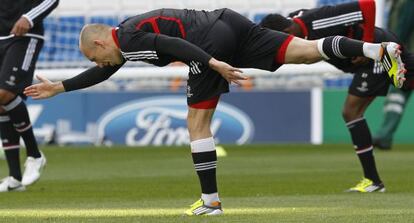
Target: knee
<point>6,96</point>
<point>349,114</point>
<point>302,51</point>
<point>198,123</point>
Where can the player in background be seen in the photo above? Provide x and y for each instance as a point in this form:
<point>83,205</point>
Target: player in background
<point>397,99</point>
<point>212,44</point>
<point>21,39</point>
<point>355,20</point>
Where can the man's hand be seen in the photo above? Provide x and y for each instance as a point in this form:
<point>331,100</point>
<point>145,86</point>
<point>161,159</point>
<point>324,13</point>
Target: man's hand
<point>44,89</point>
<point>231,74</point>
<point>21,27</point>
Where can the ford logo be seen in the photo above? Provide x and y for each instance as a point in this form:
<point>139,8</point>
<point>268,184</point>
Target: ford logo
<point>162,121</point>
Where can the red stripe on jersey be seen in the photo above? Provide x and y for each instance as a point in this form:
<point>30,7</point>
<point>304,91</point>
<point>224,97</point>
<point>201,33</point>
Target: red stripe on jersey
<point>207,104</point>
<point>115,37</point>
<point>280,56</point>
<point>151,21</point>
<point>179,23</point>
<point>302,27</point>
<point>154,24</point>
<point>368,12</point>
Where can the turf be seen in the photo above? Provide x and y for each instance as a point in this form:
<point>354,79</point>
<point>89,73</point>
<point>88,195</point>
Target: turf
<point>258,183</point>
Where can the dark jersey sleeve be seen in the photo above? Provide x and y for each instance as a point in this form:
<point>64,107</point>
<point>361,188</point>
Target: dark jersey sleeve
<point>38,13</point>
<point>337,19</point>
<point>90,77</point>
<point>160,49</point>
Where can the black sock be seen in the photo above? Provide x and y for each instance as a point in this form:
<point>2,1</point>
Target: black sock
<point>11,145</point>
<point>342,47</point>
<point>361,137</point>
<point>17,111</point>
<point>205,164</point>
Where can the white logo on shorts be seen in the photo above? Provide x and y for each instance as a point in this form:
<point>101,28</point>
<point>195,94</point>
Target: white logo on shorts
<point>11,81</point>
<point>189,94</point>
<point>364,75</point>
<point>364,87</point>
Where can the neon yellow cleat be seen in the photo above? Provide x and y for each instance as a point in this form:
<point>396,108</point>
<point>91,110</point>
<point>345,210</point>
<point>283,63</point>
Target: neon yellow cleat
<point>199,208</point>
<point>367,186</point>
<point>392,63</point>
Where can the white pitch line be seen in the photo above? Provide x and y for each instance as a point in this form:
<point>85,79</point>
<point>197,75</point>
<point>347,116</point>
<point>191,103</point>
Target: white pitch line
<point>41,213</point>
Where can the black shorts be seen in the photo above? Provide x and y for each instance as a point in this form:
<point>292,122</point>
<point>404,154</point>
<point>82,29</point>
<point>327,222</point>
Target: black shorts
<point>18,58</point>
<point>369,81</point>
<point>235,40</point>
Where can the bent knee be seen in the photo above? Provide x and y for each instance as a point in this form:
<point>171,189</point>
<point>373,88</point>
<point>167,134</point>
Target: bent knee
<point>198,123</point>
<point>350,114</point>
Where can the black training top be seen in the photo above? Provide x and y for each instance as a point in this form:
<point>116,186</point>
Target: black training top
<point>157,37</point>
<point>339,19</point>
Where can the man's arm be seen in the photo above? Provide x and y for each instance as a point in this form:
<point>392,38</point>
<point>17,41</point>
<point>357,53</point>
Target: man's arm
<point>331,20</point>
<point>38,13</point>
<point>90,77</point>
<point>34,16</point>
<point>186,51</point>
<point>180,49</point>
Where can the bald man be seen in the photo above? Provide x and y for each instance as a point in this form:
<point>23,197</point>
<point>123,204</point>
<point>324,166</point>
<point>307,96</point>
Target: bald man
<point>210,43</point>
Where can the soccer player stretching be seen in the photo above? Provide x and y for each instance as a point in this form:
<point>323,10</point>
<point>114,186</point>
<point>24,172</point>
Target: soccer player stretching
<point>210,43</point>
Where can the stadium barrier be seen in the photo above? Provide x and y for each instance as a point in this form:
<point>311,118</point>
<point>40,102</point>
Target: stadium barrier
<point>159,118</point>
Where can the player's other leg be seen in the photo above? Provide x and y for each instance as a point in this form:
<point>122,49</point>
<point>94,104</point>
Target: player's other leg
<point>394,106</point>
<point>16,73</point>
<point>353,112</point>
<point>10,139</point>
<point>339,47</point>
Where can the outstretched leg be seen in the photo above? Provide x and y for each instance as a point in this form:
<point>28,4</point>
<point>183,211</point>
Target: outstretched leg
<point>304,51</point>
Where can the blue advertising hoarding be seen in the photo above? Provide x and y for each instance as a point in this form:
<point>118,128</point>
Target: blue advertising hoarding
<point>140,119</point>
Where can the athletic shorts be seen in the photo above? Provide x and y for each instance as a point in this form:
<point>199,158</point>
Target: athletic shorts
<point>239,42</point>
<point>18,58</point>
<point>369,81</point>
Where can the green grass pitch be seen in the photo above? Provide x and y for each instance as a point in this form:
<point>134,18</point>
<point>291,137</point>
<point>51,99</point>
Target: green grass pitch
<point>258,183</point>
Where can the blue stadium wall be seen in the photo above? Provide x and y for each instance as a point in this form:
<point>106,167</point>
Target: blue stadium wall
<point>139,119</point>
